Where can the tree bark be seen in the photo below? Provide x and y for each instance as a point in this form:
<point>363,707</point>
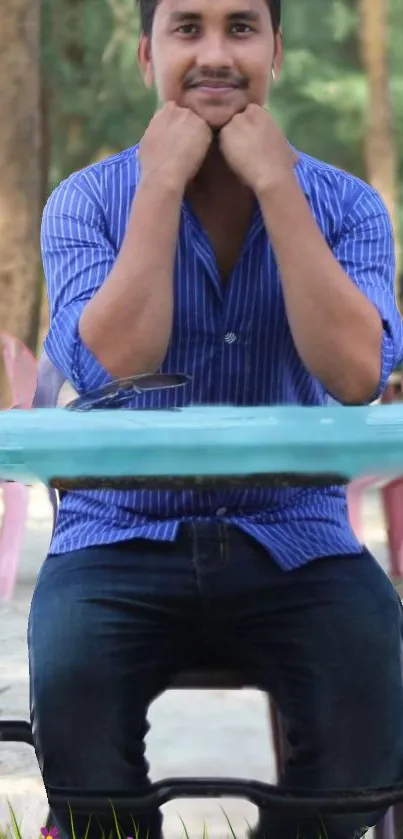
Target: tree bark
<point>20,169</point>
<point>380,139</point>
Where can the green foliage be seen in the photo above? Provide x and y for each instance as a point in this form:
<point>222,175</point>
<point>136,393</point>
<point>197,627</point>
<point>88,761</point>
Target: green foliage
<point>96,100</point>
<point>321,98</point>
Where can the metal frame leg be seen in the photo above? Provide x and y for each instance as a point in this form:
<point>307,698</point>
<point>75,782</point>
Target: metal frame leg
<point>392,498</point>
<point>386,828</point>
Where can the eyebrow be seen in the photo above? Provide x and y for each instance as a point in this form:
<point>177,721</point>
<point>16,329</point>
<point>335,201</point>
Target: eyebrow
<point>249,16</point>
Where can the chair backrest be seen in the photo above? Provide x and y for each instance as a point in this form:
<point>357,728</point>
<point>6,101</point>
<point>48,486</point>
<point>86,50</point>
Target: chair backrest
<point>49,383</point>
<point>48,386</point>
<point>18,373</point>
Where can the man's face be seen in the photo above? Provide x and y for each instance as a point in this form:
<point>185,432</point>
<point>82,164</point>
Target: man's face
<point>212,56</point>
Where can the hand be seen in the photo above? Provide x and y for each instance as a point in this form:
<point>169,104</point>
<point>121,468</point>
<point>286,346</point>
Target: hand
<point>174,146</point>
<point>256,150</point>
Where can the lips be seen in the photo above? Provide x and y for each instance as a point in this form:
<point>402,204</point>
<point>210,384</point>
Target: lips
<point>215,89</point>
<point>214,84</point>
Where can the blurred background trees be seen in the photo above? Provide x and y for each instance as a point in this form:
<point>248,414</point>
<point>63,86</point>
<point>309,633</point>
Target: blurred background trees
<point>20,167</point>
<point>70,94</point>
<point>380,143</point>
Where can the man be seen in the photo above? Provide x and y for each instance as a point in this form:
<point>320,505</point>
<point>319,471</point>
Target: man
<point>215,249</point>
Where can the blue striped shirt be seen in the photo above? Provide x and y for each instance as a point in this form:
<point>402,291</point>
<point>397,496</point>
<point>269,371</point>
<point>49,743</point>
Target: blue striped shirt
<point>234,342</point>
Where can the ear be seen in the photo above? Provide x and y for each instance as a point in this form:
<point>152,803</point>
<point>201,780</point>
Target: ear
<point>144,59</point>
<point>278,53</point>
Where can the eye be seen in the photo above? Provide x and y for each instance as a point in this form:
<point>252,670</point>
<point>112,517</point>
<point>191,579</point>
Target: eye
<point>187,29</point>
<point>241,29</point>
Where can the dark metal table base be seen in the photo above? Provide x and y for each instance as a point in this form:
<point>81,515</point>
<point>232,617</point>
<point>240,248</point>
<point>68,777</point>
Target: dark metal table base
<point>197,482</point>
<point>260,794</point>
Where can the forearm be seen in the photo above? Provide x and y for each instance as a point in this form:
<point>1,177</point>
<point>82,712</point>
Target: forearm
<point>127,325</point>
<point>336,329</point>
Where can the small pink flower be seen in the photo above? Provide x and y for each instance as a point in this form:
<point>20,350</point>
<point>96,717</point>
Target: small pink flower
<point>50,833</point>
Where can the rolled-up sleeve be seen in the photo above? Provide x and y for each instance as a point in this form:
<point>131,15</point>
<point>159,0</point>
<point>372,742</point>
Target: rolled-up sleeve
<point>77,257</point>
<point>366,251</point>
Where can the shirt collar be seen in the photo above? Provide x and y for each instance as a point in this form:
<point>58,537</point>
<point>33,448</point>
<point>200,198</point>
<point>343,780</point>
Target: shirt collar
<point>302,173</point>
<point>137,167</point>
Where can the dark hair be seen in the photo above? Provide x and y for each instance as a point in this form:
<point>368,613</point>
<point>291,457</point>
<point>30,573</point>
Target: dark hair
<point>147,10</point>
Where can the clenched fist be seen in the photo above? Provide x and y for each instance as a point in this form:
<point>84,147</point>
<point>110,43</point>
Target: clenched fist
<point>174,146</point>
<point>256,150</point>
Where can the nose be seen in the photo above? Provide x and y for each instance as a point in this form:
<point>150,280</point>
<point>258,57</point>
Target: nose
<point>214,52</point>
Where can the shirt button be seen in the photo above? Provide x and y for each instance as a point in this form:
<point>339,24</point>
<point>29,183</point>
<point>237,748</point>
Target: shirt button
<point>230,337</point>
<point>221,511</point>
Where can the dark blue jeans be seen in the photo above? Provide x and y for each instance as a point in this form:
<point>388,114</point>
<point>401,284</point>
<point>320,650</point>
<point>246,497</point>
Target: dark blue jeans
<point>110,626</point>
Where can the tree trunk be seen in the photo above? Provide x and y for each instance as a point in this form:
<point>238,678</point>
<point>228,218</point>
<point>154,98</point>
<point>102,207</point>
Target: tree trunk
<point>20,168</point>
<point>380,140</point>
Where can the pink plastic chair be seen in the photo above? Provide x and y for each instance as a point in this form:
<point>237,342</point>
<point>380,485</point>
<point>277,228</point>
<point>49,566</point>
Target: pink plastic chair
<point>20,371</point>
<point>391,495</point>
<point>49,384</point>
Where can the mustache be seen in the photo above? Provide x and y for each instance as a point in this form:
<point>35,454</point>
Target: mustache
<point>196,79</point>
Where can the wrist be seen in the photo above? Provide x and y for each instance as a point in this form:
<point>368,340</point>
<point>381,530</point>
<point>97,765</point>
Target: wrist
<point>163,183</point>
<point>269,188</point>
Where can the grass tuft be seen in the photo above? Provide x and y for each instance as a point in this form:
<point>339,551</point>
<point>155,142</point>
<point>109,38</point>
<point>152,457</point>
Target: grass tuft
<point>13,831</point>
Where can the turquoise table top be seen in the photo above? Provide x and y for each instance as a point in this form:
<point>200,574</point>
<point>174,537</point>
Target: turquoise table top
<point>41,444</point>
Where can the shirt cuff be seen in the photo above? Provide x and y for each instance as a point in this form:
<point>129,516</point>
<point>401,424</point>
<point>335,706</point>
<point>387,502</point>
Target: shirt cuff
<point>388,360</point>
<point>68,352</point>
